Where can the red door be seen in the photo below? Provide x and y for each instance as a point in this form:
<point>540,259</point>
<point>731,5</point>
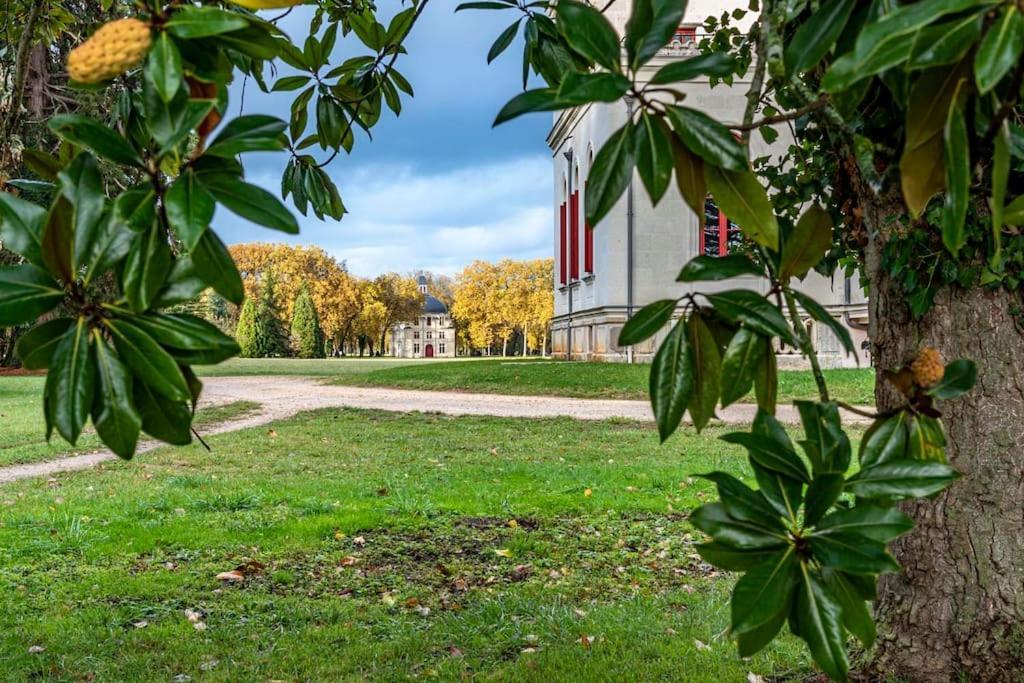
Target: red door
<point>429,351</point>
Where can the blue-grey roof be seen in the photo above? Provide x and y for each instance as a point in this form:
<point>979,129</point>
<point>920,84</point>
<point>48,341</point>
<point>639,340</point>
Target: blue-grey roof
<point>432,304</point>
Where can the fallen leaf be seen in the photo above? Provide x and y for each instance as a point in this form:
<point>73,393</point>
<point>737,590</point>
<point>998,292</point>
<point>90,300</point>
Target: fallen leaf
<point>141,624</point>
<point>272,433</point>
<point>199,626</point>
<point>193,616</point>
<point>232,576</point>
<point>754,678</point>
<point>36,649</point>
<point>700,645</point>
<point>388,599</point>
<point>513,523</point>
<point>359,540</point>
<point>521,572</point>
<point>503,552</point>
<point>586,641</point>
<point>348,561</point>
<point>588,492</point>
<point>454,651</point>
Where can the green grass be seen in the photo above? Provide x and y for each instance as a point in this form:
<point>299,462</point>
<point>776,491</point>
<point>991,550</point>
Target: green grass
<point>379,546</point>
<point>23,435</point>
<point>523,376</point>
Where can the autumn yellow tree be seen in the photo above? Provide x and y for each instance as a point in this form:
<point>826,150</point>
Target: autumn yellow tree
<point>387,299</point>
<point>333,289</point>
<point>498,301</point>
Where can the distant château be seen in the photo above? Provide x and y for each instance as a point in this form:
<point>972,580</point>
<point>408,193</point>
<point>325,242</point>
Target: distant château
<point>603,276</point>
<point>429,336</point>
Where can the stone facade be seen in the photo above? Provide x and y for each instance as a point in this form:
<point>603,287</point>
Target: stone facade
<point>432,335</point>
<point>632,257</point>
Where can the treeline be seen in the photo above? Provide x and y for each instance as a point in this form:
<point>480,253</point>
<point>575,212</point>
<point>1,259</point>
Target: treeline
<point>301,302</point>
<point>506,306</point>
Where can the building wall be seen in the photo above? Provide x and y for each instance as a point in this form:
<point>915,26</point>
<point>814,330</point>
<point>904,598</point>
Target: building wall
<point>410,340</point>
<point>665,236</point>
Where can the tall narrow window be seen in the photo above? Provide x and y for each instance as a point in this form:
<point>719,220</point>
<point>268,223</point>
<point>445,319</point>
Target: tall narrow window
<point>588,242</point>
<point>574,231</point>
<point>561,245</point>
<point>719,234</point>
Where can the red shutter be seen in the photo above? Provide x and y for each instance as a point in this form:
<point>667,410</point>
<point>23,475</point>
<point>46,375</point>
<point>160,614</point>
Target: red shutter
<point>561,244</point>
<point>574,241</point>
<point>588,245</point>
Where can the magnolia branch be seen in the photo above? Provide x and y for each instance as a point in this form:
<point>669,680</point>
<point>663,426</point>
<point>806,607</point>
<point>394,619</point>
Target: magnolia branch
<point>783,118</point>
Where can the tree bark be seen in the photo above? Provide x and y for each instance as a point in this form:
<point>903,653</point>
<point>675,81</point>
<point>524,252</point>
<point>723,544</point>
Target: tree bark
<point>956,611</point>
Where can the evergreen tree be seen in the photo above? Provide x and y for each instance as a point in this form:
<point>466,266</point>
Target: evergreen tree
<point>271,339</point>
<point>307,335</point>
<point>245,332</point>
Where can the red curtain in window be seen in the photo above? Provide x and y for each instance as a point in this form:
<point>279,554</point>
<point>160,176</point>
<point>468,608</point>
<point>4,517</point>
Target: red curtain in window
<point>588,245</point>
<point>561,244</point>
<point>574,231</point>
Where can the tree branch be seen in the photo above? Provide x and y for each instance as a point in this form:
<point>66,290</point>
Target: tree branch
<point>781,118</point>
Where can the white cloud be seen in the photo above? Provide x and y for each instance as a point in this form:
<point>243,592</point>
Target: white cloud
<point>402,218</point>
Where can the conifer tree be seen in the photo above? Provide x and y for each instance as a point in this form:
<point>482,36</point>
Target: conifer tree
<point>271,340</point>
<point>307,335</point>
<point>245,332</point>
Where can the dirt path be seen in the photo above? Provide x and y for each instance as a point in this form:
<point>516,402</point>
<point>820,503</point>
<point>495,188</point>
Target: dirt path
<point>283,396</point>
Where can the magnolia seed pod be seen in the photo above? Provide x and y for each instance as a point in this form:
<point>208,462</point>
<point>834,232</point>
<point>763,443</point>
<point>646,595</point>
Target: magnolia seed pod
<point>928,368</point>
<point>115,47</point>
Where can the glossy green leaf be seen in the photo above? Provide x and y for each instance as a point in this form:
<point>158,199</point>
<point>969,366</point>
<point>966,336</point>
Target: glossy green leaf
<point>73,380</point>
<point>169,421</point>
<point>589,33</point>
<point>957,157</point>
<point>671,380</point>
<point>742,197</point>
<point>885,440</point>
<point>764,593</point>
<point>148,362</point>
<point>806,246</point>
<point>817,35</point>
<point>852,552</point>
<point>113,412</point>
<point>880,523</point>
<point>922,166</point>
<point>58,243</point>
<point>771,455</point>
<point>647,321</point>
<point>82,185</point>
<point>743,503</point>
<point>689,176</point>
<point>252,203</point>
<point>35,349</point>
<point>528,102</point>
<point>821,495</point>
<point>213,264</point>
<point>252,133</point>
<point>582,88</point>
<point>766,379</point>
<point>503,41</point>
<point>112,244</point>
<point>958,379</point>
<point>610,174</point>
<point>827,445</point>
<point>21,227</point>
<point>708,139</point>
<point>707,370</point>
<point>821,315</point>
<point>190,339</point>
<point>901,479</point>
<point>740,364</point>
<point>91,134</point>
<point>653,156</point>
<point>1000,179</point>
<point>718,64</point>
<point>713,520</point>
<point>946,42</point>
<point>26,293</point>
<point>189,208</point>
<point>136,207</point>
<point>146,268</point>
<point>749,308</point>
<point>200,22</point>
<point>733,559</point>
<point>818,620</point>
<point>1000,49</point>
<point>856,617</point>
<point>163,68</point>
<point>651,25</point>
<point>703,268</point>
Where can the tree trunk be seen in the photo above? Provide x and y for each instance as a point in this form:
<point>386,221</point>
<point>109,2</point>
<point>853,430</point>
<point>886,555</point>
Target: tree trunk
<point>956,611</point>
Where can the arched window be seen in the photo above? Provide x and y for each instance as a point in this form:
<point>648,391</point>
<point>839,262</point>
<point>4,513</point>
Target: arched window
<point>719,235</point>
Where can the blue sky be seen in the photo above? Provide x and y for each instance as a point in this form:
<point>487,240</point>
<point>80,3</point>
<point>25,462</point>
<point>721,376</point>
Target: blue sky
<point>437,187</point>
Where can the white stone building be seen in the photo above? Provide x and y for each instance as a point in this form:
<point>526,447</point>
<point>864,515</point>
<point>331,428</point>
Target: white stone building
<point>633,255</point>
<point>432,335</point>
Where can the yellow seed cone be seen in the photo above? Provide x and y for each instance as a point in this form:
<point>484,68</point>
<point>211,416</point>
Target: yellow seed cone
<point>114,48</point>
<point>928,368</point>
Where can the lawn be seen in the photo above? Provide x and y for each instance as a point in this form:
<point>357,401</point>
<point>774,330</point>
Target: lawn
<point>377,546</point>
<point>531,377</point>
<point>23,435</point>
